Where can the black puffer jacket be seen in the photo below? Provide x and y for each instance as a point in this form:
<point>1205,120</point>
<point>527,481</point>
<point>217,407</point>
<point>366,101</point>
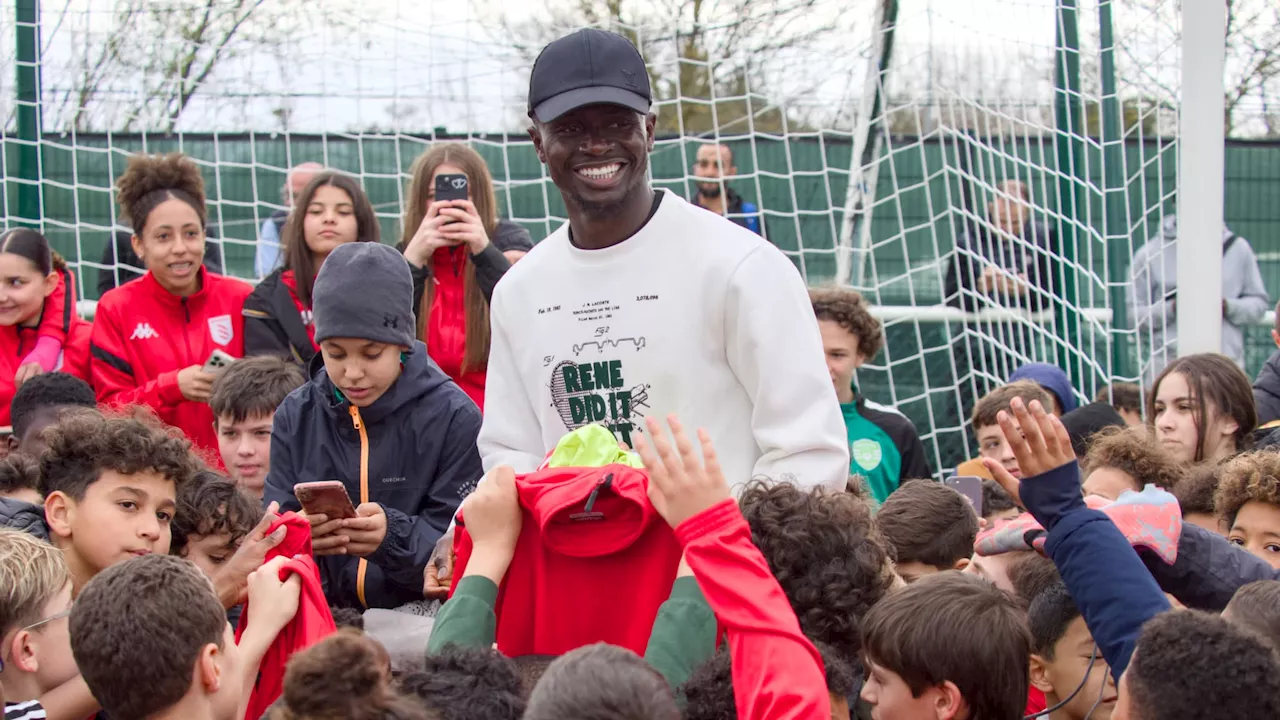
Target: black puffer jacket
<point>421,462</point>
<point>19,515</point>
<point>1266,390</point>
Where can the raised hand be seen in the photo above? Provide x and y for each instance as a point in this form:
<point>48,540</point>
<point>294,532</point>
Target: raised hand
<point>1039,440</point>
<point>681,484</point>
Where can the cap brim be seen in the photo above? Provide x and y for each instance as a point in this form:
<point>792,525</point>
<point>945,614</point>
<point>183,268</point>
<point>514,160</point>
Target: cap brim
<point>557,105</point>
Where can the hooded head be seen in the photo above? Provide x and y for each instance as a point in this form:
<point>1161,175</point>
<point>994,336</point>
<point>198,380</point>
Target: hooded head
<point>1052,379</point>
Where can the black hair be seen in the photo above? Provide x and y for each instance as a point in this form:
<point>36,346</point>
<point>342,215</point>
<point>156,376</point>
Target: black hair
<point>709,690</point>
<point>212,505</point>
<point>1051,613</point>
<point>467,683</point>
<point>995,499</point>
<point>531,668</point>
<point>33,246</point>
<point>345,617</point>
<point>47,391</point>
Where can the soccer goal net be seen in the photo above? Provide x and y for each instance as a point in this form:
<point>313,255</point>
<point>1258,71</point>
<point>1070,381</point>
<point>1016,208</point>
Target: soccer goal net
<point>878,143</point>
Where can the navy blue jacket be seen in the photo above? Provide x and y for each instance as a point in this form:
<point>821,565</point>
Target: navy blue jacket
<point>21,515</point>
<point>1208,571</point>
<point>422,462</point>
<point>1115,593</point>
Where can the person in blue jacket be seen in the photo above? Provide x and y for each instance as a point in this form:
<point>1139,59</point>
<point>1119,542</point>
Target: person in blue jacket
<point>382,418</point>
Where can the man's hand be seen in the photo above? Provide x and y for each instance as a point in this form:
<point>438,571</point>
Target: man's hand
<point>1042,444</point>
<point>273,603</point>
<point>365,532</point>
<point>325,538</point>
<point>438,576</point>
<point>680,484</point>
<point>493,521</point>
<point>232,580</point>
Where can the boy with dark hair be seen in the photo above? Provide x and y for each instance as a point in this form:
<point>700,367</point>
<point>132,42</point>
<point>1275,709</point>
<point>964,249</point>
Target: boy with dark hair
<point>950,646</point>
<point>930,527</point>
<point>1126,398</point>
<point>213,518</point>
<point>1191,664</point>
<point>244,399</point>
<point>461,683</point>
<point>1121,459</point>
<point>584,682</point>
<point>1065,663</point>
<point>1247,503</point>
<point>36,406</point>
<point>826,554</point>
<point>884,447</point>
<point>986,430</point>
<point>1256,606</point>
<point>1195,493</point>
<point>709,691</point>
<point>151,639</point>
<point>20,478</point>
<point>110,486</point>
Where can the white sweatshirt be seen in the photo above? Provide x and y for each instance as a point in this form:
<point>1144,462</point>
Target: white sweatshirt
<point>692,315</point>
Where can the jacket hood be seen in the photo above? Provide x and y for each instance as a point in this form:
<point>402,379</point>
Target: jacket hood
<point>23,516</point>
<point>1051,378</point>
<point>419,377</point>
<point>588,512</point>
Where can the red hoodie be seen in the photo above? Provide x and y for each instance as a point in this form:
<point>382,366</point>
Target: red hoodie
<point>58,320</point>
<point>777,672</point>
<point>312,623</point>
<point>447,321</point>
<point>580,574</point>
<point>143,335</point>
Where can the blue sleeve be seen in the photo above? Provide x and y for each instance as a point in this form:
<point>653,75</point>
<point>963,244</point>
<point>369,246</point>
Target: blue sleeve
<point>1106,578</point>
<point>267,250</point>
<point>1208,571</point>
<point>281,475</point>
<point>410,539</point>
<point>752,217</point>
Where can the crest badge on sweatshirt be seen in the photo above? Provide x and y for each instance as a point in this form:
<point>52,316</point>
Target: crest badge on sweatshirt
<point>221,330</point>
<point>867,453</point>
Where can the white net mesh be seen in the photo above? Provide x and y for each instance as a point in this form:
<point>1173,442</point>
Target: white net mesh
<point>868,135</point>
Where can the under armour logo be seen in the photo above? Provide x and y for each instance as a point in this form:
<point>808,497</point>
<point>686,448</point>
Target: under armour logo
<point>630,77</point>
<point>390,321</point>
<point>144,331</point>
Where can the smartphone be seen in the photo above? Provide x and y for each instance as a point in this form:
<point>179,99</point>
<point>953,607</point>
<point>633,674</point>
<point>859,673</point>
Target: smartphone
<point>969,486</point>
<point>327,497</point>
<point>218,360</point>
<point>451,187</point>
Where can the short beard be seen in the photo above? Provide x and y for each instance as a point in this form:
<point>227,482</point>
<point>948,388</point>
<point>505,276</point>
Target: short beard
<point>709,191</point>
<point>605,211</point>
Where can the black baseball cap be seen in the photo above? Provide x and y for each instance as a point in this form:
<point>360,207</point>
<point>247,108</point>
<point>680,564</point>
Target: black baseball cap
<point>588,67</point>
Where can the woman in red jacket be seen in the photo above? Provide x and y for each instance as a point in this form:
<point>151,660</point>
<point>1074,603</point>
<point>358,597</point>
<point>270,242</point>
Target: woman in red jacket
<point>457,250</point>
<point>331,210</point>
<point>32,278</point>
<point>153,336</point>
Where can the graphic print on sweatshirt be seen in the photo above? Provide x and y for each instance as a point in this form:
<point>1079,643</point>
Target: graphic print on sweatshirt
<point>592,386</point>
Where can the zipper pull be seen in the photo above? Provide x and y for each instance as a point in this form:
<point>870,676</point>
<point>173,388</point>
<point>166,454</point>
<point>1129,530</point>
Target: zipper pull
<point>355,415</point>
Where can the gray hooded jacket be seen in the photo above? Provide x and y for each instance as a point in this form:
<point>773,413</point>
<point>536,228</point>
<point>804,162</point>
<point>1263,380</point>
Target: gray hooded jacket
<point>1153,276</point>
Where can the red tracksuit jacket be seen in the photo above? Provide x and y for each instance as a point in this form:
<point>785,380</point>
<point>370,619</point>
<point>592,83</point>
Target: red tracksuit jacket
<point>446,327</point>
<point>777,672</point>
<point>58,320</point>
<point>143,335</point>
<point>310,625</point>
<point>580,574</point>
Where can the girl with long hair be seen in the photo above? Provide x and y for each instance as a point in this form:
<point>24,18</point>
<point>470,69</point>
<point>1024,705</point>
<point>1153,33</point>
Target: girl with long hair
<point>330,211</point>
<point>1201,408</point>
<point>456,252</point>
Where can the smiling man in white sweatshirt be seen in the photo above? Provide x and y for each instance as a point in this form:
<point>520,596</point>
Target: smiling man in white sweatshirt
<point>644,305</point>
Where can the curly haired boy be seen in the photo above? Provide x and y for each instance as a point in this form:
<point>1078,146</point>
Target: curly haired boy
<point>1248,503</point>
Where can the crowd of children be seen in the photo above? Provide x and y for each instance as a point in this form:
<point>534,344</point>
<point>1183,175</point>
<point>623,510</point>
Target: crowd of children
<point>1110,559</point>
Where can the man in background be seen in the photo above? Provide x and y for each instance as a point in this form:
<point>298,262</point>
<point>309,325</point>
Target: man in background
<point>713,163</point>
<point>267,255</point>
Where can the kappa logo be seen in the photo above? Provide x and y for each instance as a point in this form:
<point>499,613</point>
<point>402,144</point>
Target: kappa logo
<point>221,330</point>
<point>144,331</point>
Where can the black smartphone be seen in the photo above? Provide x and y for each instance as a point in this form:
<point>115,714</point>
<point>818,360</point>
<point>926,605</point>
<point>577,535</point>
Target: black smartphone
<point>451,187</point>
<point>968,486</point>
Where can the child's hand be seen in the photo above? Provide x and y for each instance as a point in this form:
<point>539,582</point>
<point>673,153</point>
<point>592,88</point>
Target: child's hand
<point>680,486</point>
<point>1039,441</point>
<point>493,520</point>
<point>325,538</point>
<point>232,579</point>
<point>272,603</point>
<point>366,531</point>
<point>438,576</point>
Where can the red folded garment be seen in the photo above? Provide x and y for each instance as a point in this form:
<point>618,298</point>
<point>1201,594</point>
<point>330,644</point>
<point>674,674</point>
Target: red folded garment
<point>310,625</point>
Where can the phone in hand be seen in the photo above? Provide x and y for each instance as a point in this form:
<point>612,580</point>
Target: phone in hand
<point>452,186</point>
<point>326,497</point>
<point>969,486</point>
<point>218,360</point>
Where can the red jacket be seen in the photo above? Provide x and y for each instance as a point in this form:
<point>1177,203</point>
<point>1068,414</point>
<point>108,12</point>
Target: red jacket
<point>143,335</point>
<point>582,575</point>
<point>57,320</point>
<point>308,318</point>
<point>777,673</point>
<point>312,623</point>
<point>447,321</point>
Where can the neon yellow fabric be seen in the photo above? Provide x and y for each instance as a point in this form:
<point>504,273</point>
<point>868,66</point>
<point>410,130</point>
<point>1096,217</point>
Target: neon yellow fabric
<point>591,446</point>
